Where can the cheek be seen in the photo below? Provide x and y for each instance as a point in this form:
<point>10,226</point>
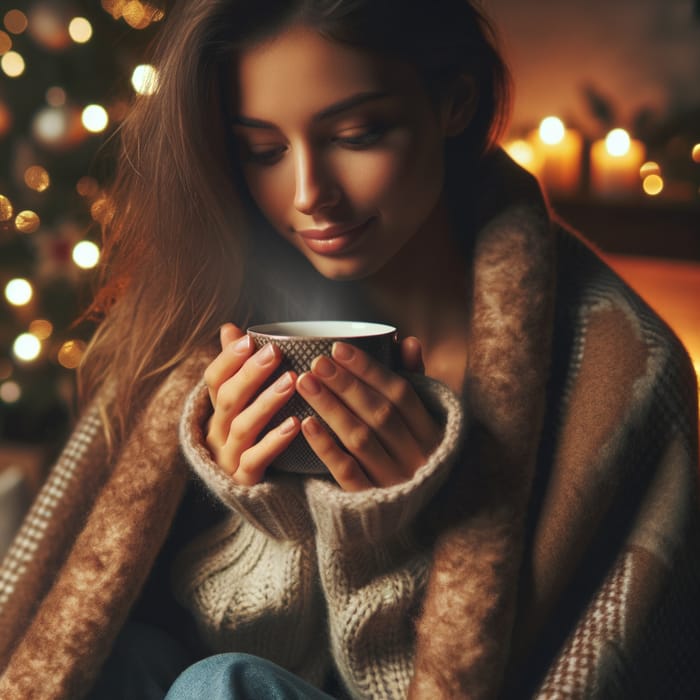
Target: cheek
<point>270,190</point>
<point>406,179</point>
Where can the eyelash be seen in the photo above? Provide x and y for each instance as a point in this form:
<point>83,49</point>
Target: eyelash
<point>366,139</point>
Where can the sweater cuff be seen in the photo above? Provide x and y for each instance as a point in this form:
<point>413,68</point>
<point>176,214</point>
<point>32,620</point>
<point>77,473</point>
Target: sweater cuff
<point>276,506</point>
<point>379,514</point>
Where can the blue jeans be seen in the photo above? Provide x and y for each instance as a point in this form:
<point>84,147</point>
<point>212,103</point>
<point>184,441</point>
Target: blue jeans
<point>147,664</point>
<point>241,677</point>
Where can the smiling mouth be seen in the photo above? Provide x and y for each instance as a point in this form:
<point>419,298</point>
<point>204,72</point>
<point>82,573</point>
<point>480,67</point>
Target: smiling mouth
<point>334,240</point>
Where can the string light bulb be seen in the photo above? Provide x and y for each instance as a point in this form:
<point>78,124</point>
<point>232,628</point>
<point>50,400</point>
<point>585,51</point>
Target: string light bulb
<point>80,30</point>
<point>37,178</point>
<point>27,347</point>
<point>86,255</point>
<point>95,118</point>
<point>12,64</point>
<point>144,79</point>
<point>6,208</point>
<point>18,291</point>
<point>27,221</point>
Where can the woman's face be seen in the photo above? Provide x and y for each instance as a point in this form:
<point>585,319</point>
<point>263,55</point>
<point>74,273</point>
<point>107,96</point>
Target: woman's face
<point>341,150</point>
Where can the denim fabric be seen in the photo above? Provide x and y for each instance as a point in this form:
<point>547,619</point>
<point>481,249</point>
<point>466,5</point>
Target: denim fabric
<point>142,666</point>
<point>241,677</point>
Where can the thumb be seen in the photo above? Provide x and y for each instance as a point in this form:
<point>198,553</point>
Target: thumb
<point>412,355</point>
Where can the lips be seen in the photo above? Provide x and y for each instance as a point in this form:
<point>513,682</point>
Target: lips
<point>333,240</point>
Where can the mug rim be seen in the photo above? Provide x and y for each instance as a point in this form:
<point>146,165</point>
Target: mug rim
<point>284,330</point>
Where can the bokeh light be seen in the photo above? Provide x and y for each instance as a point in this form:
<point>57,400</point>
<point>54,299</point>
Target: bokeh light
<point>80,30</point>
<point>649,168</point>
<point>48,26</point>
<point>86,255</point>
<point>144,79</point>
<point>653,185</point>
<point>27,221</point>
<point>41,328</point>
<point>5,119</point>
<point>27,347</point>
<point>5,42</point>
<point>95,118</point>
<point>6,209</point>
<point>56,96</point>
<point>50,125</point>
<point>70,353</point>
<point>15,21</point>
<point>695,153</point>
<point>552,130</point>
<point>18,291</point>
<point>87,186</point>
<point>10,392</point>
<point>37,178</point>
<point>12,64</point>
<point>617,143</point>
<point>521,152</point>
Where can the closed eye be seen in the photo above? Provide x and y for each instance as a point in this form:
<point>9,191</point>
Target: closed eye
<point>362,138</point>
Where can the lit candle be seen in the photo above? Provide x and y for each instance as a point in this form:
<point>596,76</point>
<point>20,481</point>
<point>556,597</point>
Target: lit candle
<point>559,154</point>
<point>615,165</point>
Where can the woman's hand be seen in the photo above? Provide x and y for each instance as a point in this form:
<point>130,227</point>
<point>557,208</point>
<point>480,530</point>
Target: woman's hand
<point>376,414</point>
<point>234,379</point>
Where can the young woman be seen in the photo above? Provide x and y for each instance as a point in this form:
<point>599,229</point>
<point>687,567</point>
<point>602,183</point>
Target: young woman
<point>511,512</point>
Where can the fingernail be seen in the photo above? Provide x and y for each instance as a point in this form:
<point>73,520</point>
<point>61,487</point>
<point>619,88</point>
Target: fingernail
<point>287,426</point>
<point>311,426</point>
<point>283,383</point>
<point>309,383</point>
<point>242,344</point>
<point>266,355</point>
<point>342,351</point>
<point>323,367</point>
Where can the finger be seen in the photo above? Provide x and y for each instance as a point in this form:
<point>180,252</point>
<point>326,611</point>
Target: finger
<point>249,423</point>
<point>412,355</point>
<point>227,363</point>
<point>253,463</point>
<point>357,437</point>
<point>397,390</point>
<point>374,409</point>
<point>344,468</point>
<point>237,391</point>
<point>228,333</point>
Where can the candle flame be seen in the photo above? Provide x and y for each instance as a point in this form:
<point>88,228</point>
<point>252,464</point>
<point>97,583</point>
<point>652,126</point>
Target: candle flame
<point>617,143</point>
<point>552,130</point>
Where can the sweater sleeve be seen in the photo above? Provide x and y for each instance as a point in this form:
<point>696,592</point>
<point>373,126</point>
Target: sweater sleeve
<point>276,506</point>
<point>372,567</point>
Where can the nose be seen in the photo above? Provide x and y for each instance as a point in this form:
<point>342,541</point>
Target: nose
<point>316,188</point>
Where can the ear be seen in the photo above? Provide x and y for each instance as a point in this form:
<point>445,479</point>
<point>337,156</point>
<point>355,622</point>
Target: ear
<point>458,105</point>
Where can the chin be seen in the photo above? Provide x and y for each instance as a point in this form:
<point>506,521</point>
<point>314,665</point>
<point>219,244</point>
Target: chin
<point>346,272</point>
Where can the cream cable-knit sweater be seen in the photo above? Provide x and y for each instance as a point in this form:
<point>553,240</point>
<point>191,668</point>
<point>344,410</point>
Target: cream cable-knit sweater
<point>300,563</point>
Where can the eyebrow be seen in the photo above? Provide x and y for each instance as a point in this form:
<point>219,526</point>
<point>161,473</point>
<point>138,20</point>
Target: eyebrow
<point>331,111</point>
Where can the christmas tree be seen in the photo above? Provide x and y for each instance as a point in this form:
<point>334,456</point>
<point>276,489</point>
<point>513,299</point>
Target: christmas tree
<point>68,71</point>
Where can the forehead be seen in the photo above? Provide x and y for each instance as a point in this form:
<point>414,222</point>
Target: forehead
<point>300,71</point>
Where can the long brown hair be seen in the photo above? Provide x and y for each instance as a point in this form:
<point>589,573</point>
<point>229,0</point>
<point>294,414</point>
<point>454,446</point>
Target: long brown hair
<point>174,235</point>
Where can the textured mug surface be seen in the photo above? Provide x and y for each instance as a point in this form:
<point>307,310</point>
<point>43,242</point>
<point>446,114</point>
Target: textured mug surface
<point>301,342</point>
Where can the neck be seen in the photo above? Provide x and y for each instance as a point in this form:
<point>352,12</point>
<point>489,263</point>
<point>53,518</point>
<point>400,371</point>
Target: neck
<point>422,290</point>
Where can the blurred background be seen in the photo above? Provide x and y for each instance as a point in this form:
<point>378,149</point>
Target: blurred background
<point>607,115</point>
